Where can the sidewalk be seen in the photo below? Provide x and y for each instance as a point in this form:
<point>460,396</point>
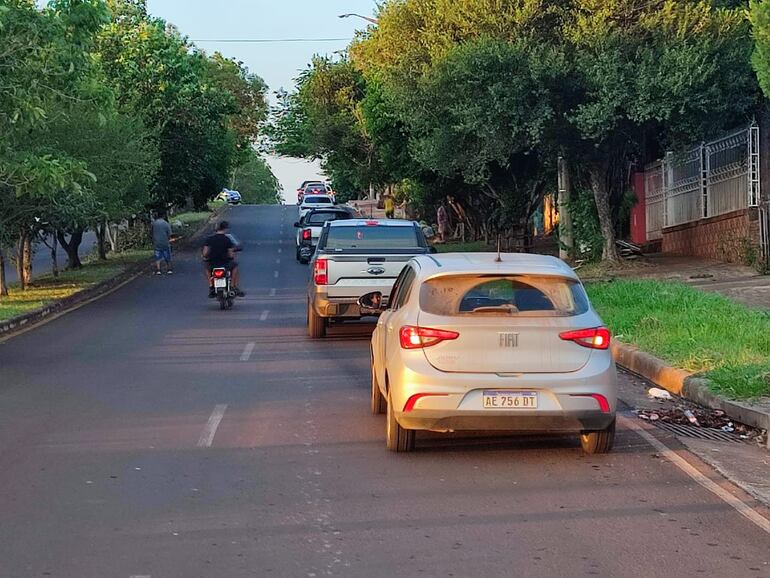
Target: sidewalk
<point>738,282</point>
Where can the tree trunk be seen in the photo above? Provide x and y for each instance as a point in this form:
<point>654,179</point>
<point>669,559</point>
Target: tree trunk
<point>24,259</point>
<point>601,192</point>
<point>54,256</point>
<point>100,241</point>
<point>566,241</point>
<point>3,282</point>
<point>72,247</point>
<point>112,238</point>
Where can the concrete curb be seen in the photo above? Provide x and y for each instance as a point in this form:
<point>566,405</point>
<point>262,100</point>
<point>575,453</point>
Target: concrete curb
<point>688,386</point>
<point>26,321</point>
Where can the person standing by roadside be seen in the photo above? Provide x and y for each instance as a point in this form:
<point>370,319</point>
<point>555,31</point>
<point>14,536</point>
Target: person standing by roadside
<point>390,206</point>
<point>161,240</point>
<point>443,222</point>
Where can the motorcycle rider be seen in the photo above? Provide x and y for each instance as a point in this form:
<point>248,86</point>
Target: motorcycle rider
<point>219,251</point>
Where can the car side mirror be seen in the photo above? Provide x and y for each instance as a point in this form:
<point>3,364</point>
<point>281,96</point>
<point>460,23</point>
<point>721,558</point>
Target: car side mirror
<point>297,225</point>
<point>372,303</point>
<point>432,250</point>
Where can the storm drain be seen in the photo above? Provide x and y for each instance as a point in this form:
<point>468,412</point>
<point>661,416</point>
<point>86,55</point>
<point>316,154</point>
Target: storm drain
<point>704,433</point>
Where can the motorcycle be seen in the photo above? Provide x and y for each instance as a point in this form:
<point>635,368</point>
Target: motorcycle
<point>223,287</point>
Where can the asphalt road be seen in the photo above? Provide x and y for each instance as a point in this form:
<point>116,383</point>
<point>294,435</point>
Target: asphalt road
<point>41,261</point>
<point>151,435</point>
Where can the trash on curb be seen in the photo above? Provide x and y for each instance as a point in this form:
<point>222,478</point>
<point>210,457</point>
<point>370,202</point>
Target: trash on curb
<point>691,417</point>
<point>657,393</point>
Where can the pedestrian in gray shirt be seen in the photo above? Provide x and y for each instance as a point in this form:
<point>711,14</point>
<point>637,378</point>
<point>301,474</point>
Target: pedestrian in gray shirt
<point>161,240</point>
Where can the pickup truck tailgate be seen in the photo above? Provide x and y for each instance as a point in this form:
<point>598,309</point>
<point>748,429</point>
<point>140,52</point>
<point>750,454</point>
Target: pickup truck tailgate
<point>354,275</point>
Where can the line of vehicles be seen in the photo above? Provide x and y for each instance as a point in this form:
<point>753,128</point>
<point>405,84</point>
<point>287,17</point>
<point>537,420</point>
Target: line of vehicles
<point>463,341</point>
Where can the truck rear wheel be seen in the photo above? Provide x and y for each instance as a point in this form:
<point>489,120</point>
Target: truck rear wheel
<point>316,325</point>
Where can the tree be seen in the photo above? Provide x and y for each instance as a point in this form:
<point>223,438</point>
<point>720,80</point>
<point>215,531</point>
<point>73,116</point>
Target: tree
<point>256,182</point>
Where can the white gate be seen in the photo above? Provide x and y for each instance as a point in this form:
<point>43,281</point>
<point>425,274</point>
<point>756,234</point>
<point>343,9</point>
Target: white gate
<point>715,178</point>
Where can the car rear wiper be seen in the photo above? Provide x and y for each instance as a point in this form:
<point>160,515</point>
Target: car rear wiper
<point>496,309</point>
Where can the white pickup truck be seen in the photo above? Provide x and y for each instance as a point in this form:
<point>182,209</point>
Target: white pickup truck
<point>355,257</point>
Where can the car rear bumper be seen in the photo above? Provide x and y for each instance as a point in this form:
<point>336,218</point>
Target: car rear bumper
<point>446,401</point>
<point>547,421</point>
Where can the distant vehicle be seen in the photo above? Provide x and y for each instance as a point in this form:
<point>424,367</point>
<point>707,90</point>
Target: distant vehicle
<point>309,229</point>
<point>315,202</point>
<point>354,257</point>
<point>231,197</point>
<point>311,187</point>
<point>467,342</point>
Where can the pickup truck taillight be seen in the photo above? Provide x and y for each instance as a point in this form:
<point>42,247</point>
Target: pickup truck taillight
<point>307,235</point>
<point>321,272</point>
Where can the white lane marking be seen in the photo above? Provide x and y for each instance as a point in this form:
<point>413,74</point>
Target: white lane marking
<point>272,292</point>
<point>207,436</point>
<point>247,351</point>
<point>140,576</point>
<point>275,274</point>
<point>280,250</point>
<point>278,261</point>
<point>736,503</point>
<point>264,315</point>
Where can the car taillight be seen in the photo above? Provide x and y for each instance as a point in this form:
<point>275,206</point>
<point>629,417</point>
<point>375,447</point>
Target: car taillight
<point>413,337</point>
<point>307,235</point>
<point>321,272</point>
<point>594,338</point>
<point>219,273</point>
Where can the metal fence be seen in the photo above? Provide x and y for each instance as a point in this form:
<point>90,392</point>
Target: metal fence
<point>709,180</point>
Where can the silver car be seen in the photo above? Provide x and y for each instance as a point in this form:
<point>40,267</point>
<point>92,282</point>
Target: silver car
<point>473,341</point>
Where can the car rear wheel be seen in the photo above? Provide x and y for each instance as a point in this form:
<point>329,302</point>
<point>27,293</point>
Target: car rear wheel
<point>316,325</point>
<point>297,252</point>
<point>379,404</point>
<point>599,441</point>
<point>398,439</point>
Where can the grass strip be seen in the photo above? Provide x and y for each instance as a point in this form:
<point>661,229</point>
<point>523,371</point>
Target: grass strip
<point>47,289</point>
<point>704,333</point>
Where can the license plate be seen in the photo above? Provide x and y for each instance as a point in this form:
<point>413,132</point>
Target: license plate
<point>493,399</point>
<point>220,283</point>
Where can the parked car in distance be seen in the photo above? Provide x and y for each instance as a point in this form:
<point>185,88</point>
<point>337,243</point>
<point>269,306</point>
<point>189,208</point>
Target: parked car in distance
<point>315,202</point>
<point>466,342</point>
<point>230,197</point>
<point>354,257</point>
<point>309,229</point>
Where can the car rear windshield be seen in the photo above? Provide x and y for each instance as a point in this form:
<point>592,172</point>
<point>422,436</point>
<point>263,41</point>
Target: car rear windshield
<point>321,218</point>
<point>495,295</point>
<point>372,237</point>
<point>317,201</point>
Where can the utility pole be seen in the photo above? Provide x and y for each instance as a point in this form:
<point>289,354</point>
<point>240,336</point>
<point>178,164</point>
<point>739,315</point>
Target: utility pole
<point>566,240</point>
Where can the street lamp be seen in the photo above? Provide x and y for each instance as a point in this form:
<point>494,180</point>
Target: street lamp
<point>372,20</point>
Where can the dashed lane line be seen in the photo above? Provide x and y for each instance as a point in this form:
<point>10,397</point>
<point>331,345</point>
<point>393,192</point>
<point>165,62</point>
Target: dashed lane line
<point>247,351</point>
<point>264,315</point>
<point>733,501</point>
<point>210,430</point>
<point>275,274</point>
<point>272,292</point>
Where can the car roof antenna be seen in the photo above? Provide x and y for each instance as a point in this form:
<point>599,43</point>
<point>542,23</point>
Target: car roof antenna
<point>499,258</point>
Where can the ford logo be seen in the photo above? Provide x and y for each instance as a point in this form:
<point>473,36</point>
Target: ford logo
<point>375,270</point>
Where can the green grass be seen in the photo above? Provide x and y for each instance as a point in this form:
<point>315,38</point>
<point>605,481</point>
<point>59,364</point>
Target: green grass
<point>46,289</point>
<point>700,332</point>
<point>472,247</point>
<point>191,219</point>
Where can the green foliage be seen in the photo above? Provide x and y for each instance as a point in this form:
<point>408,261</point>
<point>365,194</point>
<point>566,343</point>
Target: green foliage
<point>256,182</point>
<point>586,231</point>
<point>695,331</point>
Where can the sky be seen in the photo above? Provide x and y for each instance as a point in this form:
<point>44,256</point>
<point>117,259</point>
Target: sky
<point>278,63</point>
